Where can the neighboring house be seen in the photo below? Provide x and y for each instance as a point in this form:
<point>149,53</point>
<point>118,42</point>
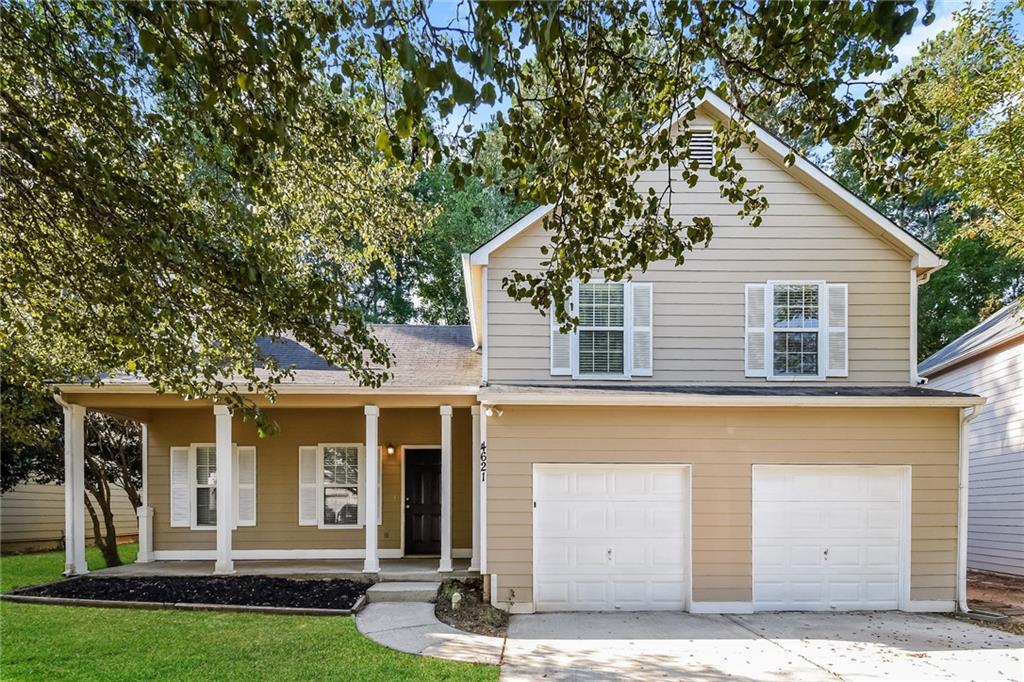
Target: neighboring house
<point>32,517</point>
<point>742,433</point>
<point>989,360</point>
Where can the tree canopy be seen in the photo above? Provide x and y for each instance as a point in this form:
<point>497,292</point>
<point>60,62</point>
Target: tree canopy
<point>181,178</point>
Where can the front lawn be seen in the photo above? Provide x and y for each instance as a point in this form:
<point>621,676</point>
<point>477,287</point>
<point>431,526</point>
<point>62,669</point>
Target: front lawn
<point>21,570</point>
<point>60,642</point>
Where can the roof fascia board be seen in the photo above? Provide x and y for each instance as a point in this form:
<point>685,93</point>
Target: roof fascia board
<point>291,389</point>
<point>482,254</point>
<point>471,300</point>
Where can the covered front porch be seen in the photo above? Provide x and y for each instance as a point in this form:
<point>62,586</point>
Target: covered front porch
<point>219,499</point>
<point>411,569</point>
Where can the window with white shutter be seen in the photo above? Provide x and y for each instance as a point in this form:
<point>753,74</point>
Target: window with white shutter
<point>308,488</point>
<point>245,485</point>
<point>755,345</point>
<point>331,479</point>
<point>194,486</point>
<point>181,516</point>
<point>561,348</point>
<point>838,333</point>
<point>615,335</point>
<point>642,332</point>
<point>796,330</point>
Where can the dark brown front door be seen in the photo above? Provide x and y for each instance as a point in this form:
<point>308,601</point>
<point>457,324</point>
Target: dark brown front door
<point>422,501</point>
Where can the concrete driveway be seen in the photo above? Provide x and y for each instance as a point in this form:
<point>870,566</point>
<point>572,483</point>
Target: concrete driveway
<point>772,646</point>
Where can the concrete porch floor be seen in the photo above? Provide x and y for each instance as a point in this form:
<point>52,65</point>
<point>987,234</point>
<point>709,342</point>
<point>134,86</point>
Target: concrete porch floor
<point>349,569</point>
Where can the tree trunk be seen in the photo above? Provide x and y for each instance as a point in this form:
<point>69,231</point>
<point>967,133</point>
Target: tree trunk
<point>105,535</point>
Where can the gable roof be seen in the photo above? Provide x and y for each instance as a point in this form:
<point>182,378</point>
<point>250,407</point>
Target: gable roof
<point>1000,327</point>
<point>925,260</point>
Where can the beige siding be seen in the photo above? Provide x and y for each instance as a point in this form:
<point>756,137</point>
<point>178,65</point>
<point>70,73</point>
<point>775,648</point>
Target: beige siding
<point>995,536</point>
<point>32,517</point>
<point>722,444</point>
<point>277,474</point>
<point>698,307</point>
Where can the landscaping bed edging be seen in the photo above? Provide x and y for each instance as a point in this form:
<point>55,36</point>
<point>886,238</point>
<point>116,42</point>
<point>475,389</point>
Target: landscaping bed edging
<point>182,606</point>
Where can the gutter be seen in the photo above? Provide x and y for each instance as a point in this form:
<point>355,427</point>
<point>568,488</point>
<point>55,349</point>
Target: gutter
<point>967,415</point>
<point>491,397</point>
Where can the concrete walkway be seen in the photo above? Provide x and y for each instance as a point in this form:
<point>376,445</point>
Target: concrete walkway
<point>769,646</point>
<point>414,629</point>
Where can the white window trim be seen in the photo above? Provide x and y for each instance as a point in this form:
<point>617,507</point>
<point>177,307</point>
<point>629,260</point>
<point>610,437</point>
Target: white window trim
<point>321,487</point>
<point>193,487</point>
<point>821,330</point>
<point>627,334</point>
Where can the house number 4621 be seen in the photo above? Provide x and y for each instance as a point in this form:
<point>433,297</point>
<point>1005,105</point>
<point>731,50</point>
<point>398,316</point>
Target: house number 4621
<point>483,461</point>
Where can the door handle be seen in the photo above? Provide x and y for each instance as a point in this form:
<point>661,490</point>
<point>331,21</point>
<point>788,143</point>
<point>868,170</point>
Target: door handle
<point>609,554</point>
<point>826,554</point>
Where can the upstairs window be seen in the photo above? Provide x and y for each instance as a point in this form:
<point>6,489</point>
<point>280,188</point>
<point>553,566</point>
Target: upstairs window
<point>796,330</point>
<point>614,338</point>
<point>602,330</point>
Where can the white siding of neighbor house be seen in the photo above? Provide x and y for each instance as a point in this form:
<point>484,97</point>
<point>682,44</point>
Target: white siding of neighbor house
<point>995,535</point>
<point>699,306</point>
<point>32,517</point>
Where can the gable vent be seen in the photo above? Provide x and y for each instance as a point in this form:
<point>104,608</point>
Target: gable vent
<point>702,147</point>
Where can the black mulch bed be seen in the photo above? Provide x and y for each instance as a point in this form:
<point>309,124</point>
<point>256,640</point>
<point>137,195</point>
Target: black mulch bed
<point>237,591</point>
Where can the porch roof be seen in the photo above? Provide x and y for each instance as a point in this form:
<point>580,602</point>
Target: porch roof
<point>427,358</point>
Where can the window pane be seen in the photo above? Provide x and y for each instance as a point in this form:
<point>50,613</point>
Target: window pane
<point>602,305</point>
<point>601,352</point>
<point>341,506</point>
<point>341,466</point>
<point>796,353</point>
<point>206,506</point>
<point>796,306</point>
<point>206,466</point>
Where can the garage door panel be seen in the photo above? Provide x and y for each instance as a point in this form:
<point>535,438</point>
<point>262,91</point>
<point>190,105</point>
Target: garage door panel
<point>611,537</point>
<point>827,537</point>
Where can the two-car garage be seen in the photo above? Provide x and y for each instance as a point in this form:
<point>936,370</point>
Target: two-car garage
<point>618,537</point>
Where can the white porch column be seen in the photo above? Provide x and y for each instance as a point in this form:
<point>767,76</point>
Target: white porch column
<point>225,490</point>
<point>446,489</point>
<point>474,562</point>
<point>145,512</point>
<point>371,564</point>
<point>74,490</point>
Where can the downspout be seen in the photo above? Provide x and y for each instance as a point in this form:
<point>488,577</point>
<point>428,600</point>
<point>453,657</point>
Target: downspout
<point>967,414</point>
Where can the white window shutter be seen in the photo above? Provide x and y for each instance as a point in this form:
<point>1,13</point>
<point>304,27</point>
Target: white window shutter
<point>755,352</point>
<point>245,485</point>
<point>308,485</point>
<point>642,329</point>
<point>838,330</point>
<point>561,348</point>
<point>181,497</point>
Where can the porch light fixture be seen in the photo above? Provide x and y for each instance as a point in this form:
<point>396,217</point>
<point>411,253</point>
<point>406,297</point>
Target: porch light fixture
<point>390,449</point>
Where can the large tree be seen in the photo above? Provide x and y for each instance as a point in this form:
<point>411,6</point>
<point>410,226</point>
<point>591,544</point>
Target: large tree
<point>32,449</point>
<point>961,131</point>
<point>180,178</point>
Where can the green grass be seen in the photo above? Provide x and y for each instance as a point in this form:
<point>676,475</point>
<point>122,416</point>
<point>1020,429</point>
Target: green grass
<point>63,643</point>
<point>21,570</point>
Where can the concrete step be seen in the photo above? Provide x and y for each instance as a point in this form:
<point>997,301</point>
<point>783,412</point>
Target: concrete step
<point>405,575</point>
<point>419,591</point>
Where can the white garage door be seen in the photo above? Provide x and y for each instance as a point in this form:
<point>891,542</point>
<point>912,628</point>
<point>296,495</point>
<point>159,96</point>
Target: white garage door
<point>610,537</point>
<point>828,537</point>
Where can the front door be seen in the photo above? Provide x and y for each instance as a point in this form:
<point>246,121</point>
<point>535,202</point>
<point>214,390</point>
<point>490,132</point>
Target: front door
<point>422,501</point>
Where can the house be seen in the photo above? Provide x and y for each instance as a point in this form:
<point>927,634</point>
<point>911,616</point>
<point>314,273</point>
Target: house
<point>989,360</point>
<point>743,433</point>
<point>32,517</point>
